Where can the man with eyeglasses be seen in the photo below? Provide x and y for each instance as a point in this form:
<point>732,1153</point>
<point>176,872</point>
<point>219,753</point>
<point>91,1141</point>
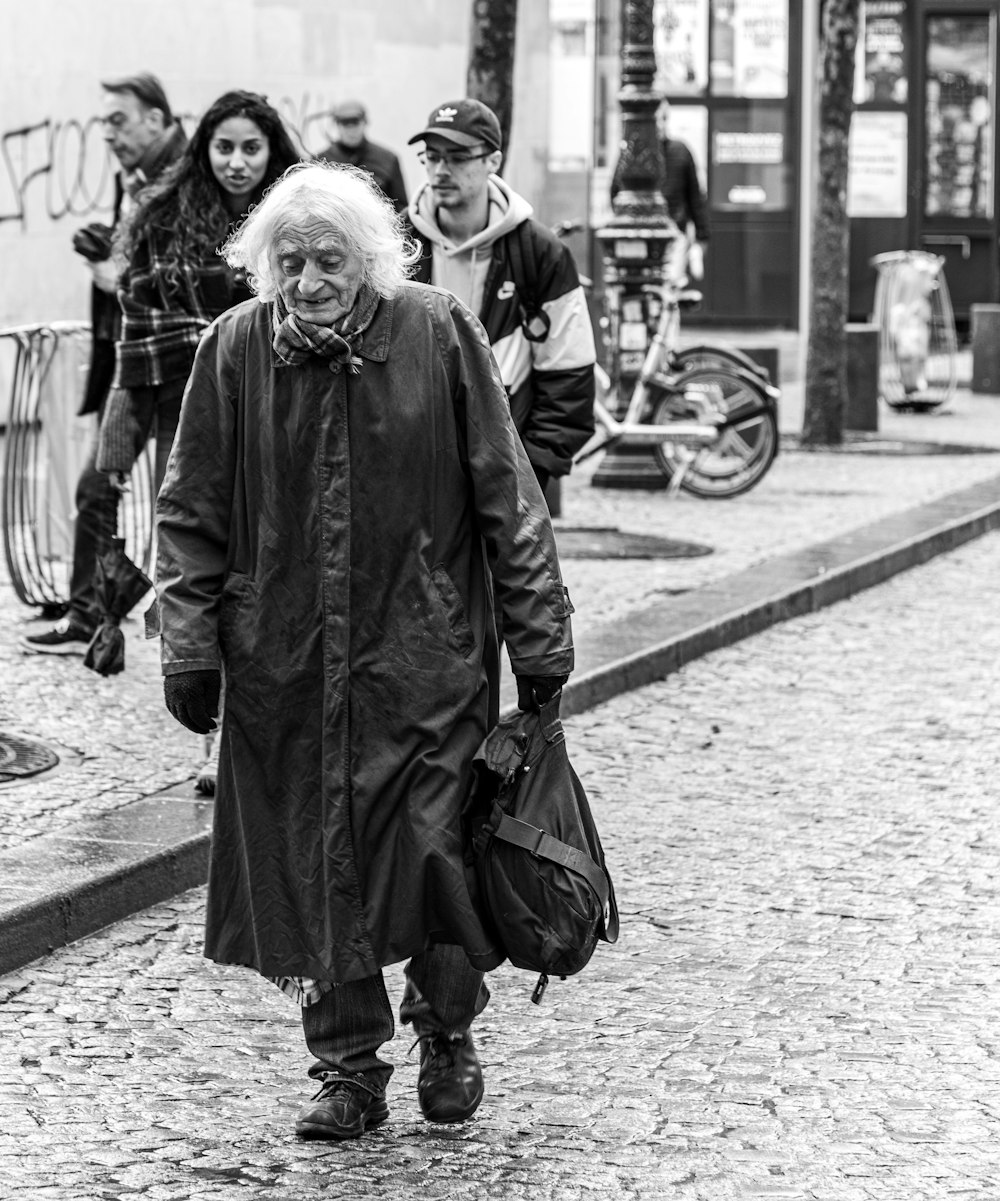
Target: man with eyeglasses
<point>351,145</point>
<point>481,243</point>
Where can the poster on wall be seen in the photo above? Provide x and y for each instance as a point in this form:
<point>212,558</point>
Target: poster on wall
<point>750,169</point>
<point>876,180</point>
<point>880,76</point>
<point>750,48</point>
<point>680,42</point>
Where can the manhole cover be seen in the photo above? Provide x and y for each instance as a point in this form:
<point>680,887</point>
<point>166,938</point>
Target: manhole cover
<point>607,542</point>
<point>20,757</point>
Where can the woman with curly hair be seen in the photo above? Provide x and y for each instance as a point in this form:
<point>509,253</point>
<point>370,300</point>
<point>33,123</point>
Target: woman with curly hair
<point>174,283</point>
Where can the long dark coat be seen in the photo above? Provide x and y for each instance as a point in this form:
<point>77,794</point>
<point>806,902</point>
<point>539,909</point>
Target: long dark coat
<point>328,537</point>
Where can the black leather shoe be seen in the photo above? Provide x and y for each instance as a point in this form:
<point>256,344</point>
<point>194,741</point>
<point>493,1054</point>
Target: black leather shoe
<point>343,1108</point>
<point>450,1083</point>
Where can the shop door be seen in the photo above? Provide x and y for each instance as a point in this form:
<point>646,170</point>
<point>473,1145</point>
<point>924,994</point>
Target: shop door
<point>956,217</point>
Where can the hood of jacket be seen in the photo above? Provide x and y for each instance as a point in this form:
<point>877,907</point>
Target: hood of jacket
<point>463,268</point>
<point>507,209</point>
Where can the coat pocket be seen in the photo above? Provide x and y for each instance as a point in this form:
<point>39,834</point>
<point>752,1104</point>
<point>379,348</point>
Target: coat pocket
<point>451,601</point>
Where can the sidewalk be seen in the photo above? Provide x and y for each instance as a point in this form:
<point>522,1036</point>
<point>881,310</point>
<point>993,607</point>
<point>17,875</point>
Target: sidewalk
<point>117,826</point>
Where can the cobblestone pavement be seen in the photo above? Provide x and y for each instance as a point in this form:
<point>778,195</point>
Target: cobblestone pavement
<point>803,1003</point>
<point>121,744</point>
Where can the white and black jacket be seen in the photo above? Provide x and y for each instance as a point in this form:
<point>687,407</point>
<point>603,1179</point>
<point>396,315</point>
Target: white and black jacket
<point>550,382</point>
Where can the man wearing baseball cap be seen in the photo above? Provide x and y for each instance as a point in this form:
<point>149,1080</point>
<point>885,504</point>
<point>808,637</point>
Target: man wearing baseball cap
<point>481,243</point>
<point>351,145</point>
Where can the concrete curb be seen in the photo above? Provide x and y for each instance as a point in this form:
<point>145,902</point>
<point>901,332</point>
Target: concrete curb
<point>59,888</point>
<point>786,586</point>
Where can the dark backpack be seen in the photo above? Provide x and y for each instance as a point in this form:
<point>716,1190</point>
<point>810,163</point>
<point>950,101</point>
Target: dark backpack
<point>539,863</point>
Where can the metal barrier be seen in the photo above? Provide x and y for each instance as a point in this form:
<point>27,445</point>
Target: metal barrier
<point>46,446</point>
<point>917,342</point>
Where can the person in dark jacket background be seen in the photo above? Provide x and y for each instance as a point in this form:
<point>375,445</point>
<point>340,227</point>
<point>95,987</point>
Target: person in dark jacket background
<point>687,205</point>
<point>345,490</point>
<point>142,134</point>
<point>470,225</point>
<point>684,195</point>
<point>352,146</point>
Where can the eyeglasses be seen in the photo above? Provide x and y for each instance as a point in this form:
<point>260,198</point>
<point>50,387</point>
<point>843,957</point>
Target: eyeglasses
<point>431,158</point>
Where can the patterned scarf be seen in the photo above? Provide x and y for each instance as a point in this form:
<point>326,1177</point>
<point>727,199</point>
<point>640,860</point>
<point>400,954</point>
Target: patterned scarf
<point>295,339</point>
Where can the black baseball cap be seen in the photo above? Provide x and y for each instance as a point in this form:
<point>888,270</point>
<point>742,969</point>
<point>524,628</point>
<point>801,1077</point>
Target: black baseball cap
<point>464,122</point>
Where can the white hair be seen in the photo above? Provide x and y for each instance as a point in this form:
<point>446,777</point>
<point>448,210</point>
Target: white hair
<point>343,197</point>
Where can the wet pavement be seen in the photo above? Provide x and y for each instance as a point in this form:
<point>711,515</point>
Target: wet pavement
<point>803,1002</point>
<point>118,744</point>
<point>118,826</point>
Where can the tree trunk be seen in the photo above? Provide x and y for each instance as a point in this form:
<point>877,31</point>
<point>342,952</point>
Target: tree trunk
<point>490,76</point>
<point>826,357</point>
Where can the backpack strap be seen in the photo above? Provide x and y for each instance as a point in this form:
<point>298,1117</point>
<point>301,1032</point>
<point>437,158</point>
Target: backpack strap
<point>537,842</point>
<point>535,322</point>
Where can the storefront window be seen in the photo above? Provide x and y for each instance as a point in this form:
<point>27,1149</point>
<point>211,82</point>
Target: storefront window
<point>749,54</point>
<point>881,76</point>
<point>959,107</point>
<point>750,167</point>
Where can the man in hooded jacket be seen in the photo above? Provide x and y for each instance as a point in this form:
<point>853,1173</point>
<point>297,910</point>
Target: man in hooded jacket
<point>480,242</point>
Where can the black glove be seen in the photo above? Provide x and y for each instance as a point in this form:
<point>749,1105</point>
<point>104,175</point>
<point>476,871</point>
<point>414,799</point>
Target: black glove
<point>193,698</point>
<point>535,691</point>
<point>93,242</point>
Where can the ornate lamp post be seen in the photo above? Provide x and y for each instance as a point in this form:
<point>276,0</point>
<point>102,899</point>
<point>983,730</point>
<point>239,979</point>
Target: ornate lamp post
<point>634,243</point>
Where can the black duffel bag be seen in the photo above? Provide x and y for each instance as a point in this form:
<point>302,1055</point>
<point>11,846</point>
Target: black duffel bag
<point>539,865</point>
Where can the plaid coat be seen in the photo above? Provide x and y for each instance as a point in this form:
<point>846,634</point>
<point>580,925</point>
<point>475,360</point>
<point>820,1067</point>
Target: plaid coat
<point>162,319</point>
<point>162,324</point>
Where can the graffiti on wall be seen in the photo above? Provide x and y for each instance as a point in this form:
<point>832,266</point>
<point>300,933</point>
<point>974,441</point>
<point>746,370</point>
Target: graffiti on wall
<point>54,169</point>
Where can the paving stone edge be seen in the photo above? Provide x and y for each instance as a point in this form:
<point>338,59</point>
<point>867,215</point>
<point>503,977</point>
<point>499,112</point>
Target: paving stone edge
<point>35,928</point>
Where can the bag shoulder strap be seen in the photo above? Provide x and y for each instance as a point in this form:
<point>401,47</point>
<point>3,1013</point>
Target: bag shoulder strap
<point>537,842</point>
<point>535,322</point>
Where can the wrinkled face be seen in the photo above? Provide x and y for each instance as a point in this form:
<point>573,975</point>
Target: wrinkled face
<point>317,276</point>
<point>457,175</point>
<point>129,127</point>
<point>238,153</point>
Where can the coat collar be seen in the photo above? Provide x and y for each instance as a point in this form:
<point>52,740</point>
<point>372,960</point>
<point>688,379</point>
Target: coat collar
<point>374,342</point>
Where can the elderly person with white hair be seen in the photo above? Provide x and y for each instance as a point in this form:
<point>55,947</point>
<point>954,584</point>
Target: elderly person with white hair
<point>344,483</point>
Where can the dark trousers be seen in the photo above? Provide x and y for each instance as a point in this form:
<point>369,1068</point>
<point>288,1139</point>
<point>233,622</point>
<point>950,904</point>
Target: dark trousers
<point>97,502</point>
<point>345,1029</point>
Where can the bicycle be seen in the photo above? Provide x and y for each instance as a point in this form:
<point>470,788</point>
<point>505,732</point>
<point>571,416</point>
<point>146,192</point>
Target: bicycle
<point>708,411</point>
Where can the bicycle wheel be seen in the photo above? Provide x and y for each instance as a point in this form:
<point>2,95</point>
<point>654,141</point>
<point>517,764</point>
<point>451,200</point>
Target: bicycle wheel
<point>748,437</point>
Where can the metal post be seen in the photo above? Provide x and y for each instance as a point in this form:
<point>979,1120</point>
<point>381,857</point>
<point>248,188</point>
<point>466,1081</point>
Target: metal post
<point>634,243</point>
